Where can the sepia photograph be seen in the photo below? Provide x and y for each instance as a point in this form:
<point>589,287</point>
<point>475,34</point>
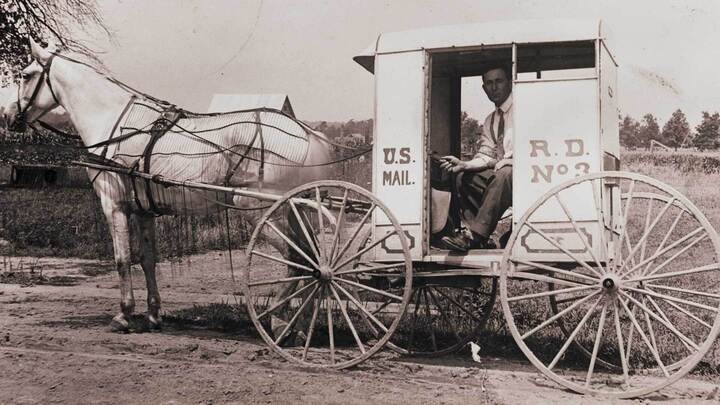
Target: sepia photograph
<point>359,202</point>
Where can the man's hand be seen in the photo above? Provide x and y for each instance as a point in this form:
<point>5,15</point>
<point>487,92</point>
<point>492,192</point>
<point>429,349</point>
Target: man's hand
<point>452,164</point>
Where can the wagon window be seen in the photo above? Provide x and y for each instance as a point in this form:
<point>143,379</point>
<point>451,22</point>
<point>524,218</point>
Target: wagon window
<point>564,60</point>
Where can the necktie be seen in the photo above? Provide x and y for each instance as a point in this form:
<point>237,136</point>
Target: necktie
<point>499,143</point>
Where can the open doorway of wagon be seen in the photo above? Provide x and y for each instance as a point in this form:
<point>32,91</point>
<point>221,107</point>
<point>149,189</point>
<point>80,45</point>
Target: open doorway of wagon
<point>458,107</point>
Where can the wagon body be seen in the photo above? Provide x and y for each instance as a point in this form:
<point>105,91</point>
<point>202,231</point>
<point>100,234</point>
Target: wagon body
<point>565,122</point>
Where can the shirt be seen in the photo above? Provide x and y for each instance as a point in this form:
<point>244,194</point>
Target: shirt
<point>488,138</point>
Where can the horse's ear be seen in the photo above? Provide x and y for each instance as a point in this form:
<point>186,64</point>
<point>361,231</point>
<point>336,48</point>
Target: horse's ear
<point>40,54</point>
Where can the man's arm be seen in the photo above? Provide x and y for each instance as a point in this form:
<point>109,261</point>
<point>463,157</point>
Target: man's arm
<point>483,159</point>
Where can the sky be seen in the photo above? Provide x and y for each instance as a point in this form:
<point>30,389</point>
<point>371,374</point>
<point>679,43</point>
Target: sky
<point>184,51</point>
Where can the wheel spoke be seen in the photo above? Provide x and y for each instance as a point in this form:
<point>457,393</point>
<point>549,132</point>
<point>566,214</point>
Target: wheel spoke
<point>621,344</point>
<point>596,346</point>
<point>296,316</point>
<point>443,314</point>
<point>558,315</point>
<point>338,227</point>
<point>688,313</point>
<point>312,242</point>
<point>381,307</point>
<point>599,211</point>
<point>674,299</point>
<point>331,335</point>
<point>657,318</point>
<point>369,269</point>
<point>631,336</point>
<point>365,249</point>
<point>311,328</point>
<point>347,320</point>
<point>684,291</point>
<point>665,317</point>
<point>644,337</point>
<point>665,239</point>
<point>709,267</point>
<point>292,244</point>
<point>433,339</point>
<point>360,307</point>
<point>282,260</point>
<point>649,326</point>
<point>280,280</point>
<point>458,305</point>
<point>625,215</point>
<point>630,259</point>
<point>549,293</point>
<point>574,333</point>
<point>641,242</point>
<point>569,299</point>
<point>355,233</point>
<point>368,288</point>
<point>416,308</point>
<point>579,234</point>
<point>284,300</point>
<point>648,214</point>
<point>321,225</point>
<point>567,252</point>
<point>541,266</point>
<point>673,257</point>
<point>662,252</point>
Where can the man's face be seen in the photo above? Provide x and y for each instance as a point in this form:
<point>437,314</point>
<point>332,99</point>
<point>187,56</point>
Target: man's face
<point>497,86</point>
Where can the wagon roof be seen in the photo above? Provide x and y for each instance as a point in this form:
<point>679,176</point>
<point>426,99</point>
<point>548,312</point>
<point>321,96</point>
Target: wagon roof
<point>482,34</point>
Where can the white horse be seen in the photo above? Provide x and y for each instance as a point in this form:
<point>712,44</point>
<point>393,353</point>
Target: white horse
<point>98,109</point>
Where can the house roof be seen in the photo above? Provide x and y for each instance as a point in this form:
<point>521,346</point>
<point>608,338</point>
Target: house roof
<point>237,102</point>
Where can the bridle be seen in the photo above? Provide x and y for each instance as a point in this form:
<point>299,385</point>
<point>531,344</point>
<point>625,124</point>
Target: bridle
<point>20,123</point>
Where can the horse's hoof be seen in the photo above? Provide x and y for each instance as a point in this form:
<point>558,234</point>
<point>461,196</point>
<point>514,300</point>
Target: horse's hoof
<point>119,325</point>
<point>154,324</point>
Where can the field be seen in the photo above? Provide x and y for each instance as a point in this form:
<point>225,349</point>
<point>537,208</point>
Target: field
<point>58,311</point>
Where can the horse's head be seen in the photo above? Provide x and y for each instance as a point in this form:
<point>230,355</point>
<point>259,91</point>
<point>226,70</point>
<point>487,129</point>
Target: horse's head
<point>35,96</point>
<point>57,117</point>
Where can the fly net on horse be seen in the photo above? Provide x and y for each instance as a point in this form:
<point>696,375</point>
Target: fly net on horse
<point>239,148</point>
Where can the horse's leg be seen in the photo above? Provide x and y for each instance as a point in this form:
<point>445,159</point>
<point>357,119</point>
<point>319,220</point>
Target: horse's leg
<point>117,217</point>
<point>279,320</point>
<point>148,255</point>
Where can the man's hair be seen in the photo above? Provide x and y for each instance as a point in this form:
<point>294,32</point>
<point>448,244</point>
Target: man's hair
<point>506,68</point>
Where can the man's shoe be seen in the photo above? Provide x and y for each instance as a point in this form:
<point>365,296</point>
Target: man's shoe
<point>460,243</point>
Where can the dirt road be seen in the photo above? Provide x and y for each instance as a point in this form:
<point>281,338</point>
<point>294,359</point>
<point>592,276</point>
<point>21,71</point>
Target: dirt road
<point>56,347</point>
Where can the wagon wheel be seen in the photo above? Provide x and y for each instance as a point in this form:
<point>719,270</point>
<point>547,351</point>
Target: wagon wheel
<point>442,317</point>
<point>315,298</point>
<point>555,304</point>
<point>649,314</point>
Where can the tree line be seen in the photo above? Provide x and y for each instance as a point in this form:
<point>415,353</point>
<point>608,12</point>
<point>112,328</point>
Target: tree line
<point>676,133</point>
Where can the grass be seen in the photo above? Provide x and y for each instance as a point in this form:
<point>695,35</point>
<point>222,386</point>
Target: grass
<point>68,222</point>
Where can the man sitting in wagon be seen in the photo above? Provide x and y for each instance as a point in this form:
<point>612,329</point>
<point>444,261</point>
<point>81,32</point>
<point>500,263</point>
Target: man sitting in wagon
<point>483,185</point>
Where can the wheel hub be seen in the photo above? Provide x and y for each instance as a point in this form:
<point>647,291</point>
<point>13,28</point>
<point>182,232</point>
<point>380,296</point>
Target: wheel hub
<point>324,273</point>
<point>610,283</point>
